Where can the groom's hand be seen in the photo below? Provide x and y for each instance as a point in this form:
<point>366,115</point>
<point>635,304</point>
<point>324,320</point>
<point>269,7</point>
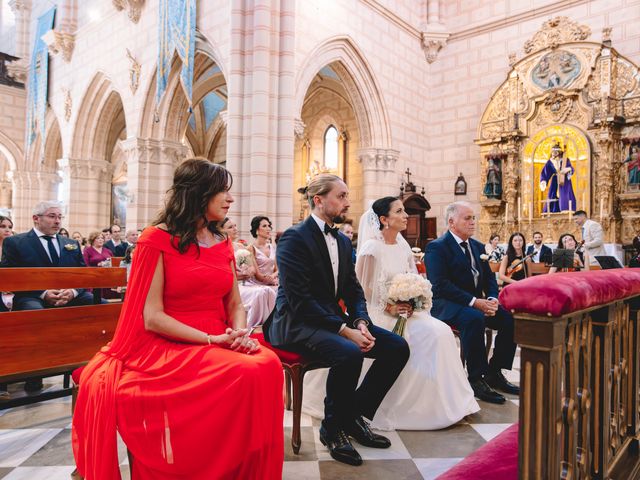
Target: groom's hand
<point>360,336</point>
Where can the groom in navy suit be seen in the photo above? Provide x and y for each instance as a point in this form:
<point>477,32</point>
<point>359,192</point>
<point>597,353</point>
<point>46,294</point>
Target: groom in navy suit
<point>316,271</point>
<point>43,247</point>
<point>465,296</point>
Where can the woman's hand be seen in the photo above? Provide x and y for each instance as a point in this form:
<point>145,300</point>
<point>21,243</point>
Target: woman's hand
<point>403,308</point>
<point>236,340</point>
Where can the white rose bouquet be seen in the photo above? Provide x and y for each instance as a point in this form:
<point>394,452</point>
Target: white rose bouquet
<point>410,288</point>
<point>243,261</point>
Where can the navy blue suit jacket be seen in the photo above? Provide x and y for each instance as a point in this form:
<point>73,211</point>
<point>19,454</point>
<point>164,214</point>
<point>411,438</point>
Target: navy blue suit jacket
<point>118,251</point>
<point>306,298</point>
<point>450,275</point>
<point>26,250</point>
<point>545,253</point>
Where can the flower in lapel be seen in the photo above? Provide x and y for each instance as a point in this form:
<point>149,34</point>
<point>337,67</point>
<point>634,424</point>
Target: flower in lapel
<point>484,257</point>
<point>70,247</point>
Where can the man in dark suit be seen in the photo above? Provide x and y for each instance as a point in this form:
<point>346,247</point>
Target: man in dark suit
<point>43,247</point>
<point>115,244</point>
<point>315,272</point>
<point>541,253</point>
<point>465,296</point>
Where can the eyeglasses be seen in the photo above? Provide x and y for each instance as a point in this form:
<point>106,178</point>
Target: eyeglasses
<point>53,216</point>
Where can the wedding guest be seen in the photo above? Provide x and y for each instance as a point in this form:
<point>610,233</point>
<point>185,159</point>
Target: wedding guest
<point>106,232</point>
<point>541,253</point>
<point>495,251</point>
<point>96,254</point>
<point>258,300</point>
<point>180,379</point>
<point>580,257</point>
<point>514,266</point>
<point>131,236</point>
<point>6,302</point>
<point>635,261</point>
<point>347,229</point>
<point>116,245</point>
<point>6,230</point>
<point>592,236</point>
<point>64,233</point>
<point>77,236</point>
<point>264,253</point>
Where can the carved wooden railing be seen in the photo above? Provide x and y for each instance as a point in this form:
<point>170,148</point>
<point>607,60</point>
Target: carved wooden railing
<point>579,401</point>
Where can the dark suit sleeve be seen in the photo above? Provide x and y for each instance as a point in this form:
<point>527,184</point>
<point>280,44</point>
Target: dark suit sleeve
<point>438,272</point>
<point>353,296</point>
<point>295,274</point>
<point>10,255</point>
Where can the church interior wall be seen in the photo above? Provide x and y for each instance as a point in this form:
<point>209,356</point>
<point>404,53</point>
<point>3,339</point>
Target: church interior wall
<point>472,66</point>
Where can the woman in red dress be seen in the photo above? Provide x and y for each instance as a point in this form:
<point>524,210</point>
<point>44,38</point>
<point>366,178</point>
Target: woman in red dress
<point>181,378</point>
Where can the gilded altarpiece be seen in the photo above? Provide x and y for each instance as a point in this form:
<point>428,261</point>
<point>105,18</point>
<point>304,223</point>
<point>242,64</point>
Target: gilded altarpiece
<point>583,98</point>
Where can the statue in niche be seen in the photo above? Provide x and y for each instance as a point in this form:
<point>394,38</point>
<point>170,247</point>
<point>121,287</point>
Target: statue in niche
<point>555,177</point>
<point>633,167</point>
<point>556,70</point>
<point>493,185</point>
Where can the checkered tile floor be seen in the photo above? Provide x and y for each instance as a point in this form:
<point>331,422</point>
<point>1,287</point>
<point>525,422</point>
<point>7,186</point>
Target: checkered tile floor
<point>35,445</point>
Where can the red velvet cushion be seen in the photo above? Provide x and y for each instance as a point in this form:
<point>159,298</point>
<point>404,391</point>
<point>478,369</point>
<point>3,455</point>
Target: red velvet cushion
<point>283,355</point>
<point>495,460</point>
<point>75,375</point>
<point>561,293</point>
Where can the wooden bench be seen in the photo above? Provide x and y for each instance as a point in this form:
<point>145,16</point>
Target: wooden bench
<point>54,341</point>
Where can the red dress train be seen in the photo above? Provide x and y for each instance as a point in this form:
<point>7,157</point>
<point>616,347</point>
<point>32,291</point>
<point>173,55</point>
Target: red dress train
<point>184,411</point>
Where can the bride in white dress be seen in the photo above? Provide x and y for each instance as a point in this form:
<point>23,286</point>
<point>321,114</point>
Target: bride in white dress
<point>432,392</point>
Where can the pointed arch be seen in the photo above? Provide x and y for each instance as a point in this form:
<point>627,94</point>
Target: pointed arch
<point>52,146</point>
<point>357,76</point>
<point>11,151</point>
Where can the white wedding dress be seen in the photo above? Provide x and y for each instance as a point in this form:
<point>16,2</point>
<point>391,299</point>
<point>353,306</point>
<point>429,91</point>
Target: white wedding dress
<point>432,392</point>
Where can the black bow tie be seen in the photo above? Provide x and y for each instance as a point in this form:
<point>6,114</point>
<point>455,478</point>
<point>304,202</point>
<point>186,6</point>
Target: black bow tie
<point>332,230</point>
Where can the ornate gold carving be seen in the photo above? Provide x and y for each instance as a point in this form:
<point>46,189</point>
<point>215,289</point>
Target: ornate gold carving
<point>513,58</point>
<point>60,43</point>
<point>606,34</point>
<point>134,72</point>
<point>68,104</point>
<point>133,7</point>
<point>625,79</point>
<point>593,88</point>
<point>558,107</point>
<point>556,31</point>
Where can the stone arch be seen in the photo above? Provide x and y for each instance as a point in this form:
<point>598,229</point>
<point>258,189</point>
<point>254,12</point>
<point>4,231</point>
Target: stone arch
<point>357,76</point>
<point>168,120</point>
<point>52,147</point>
<point>11,151</point>
<point>100,121</point>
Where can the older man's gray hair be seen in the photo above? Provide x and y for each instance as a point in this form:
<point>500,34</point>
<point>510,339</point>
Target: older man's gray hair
<point>42,207</point>
<point>453,209</point>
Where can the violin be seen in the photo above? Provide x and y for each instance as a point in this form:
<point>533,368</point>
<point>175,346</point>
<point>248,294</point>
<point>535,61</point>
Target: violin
<point>518,264</point>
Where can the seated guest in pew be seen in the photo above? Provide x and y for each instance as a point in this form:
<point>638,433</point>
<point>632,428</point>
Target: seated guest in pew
<point>635,260</point>
<point>97,254</point>
<point>541,253</point>
<point>515,264</point>
<point>180,380</point>
<point>6,302</point>
<point>264,254</point>
<point>580,257</point>
<point>77,236</point>
<point>131,236</point>
<point>495,251</point>
<point>347,229</point>
<point>465,296</point>
<point>258,300</point>
<point>64,233</point>
<point>43,247</point>
<point>116,245</point>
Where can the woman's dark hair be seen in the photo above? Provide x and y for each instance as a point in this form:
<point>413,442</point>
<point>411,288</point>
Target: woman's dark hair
<point>511,251</point>
<point>493,235</point>
<point>223,222</point>
<point>560,245</point>
<point>128,253</point>
<point>3,218</point>
<point>195,182</point>
<point>255,224</point>
<point>636,241</point>
<point>66,232</point>
<point>382,207</point>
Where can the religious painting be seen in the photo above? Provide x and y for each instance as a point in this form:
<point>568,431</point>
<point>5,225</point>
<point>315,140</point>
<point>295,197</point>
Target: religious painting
<point>119,200</point>
<point>631,165</point>
<point>493,184</point>
<point>460,187</point>
<point>556,172</point>
<point>556,70</point>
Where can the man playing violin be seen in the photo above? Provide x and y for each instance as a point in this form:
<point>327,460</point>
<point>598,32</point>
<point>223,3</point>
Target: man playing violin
<point>515,264</point>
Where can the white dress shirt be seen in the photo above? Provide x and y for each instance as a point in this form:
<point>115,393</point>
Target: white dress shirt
<point>474,269</point>
<point>43,240</point>
<point>332,246</point>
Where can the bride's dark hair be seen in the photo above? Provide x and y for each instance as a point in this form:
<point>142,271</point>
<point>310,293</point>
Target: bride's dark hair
<point>195,181</point>
<point>382,206</point>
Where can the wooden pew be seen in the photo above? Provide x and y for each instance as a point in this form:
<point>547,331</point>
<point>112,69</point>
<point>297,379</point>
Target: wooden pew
<point>56,340</point>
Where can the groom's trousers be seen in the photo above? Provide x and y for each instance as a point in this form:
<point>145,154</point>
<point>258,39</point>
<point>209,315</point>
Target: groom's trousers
<point>344,400</point>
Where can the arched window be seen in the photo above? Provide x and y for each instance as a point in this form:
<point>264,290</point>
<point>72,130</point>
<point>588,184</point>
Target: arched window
<point>331,148</point>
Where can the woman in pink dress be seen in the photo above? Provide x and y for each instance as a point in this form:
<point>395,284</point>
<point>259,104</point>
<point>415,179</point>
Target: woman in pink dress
<point>264,253</point>
<point>180,379</point>
<point>258,300</point>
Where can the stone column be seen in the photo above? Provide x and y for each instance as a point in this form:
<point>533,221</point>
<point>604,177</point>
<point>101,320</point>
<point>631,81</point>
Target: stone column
<point>24,194</point>
<point>379,173</point>
<point>150,167</point>
<point>87,193</point>
<point>18,68</point>
<point>261,109</point>
<point>47,183</point>
<point>5,194</point>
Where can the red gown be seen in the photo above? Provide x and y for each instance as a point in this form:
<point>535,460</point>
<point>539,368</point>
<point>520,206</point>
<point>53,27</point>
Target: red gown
<point>184,411</point>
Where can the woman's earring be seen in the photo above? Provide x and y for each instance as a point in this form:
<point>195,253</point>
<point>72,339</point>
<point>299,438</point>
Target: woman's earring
<point>386,226</point>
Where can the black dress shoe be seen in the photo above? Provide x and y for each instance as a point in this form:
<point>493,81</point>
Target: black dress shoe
<point>484,392</point>
<point>33,385</point>
<point>361,432</point>
<point>340,447</point>
<point>499,382</point>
